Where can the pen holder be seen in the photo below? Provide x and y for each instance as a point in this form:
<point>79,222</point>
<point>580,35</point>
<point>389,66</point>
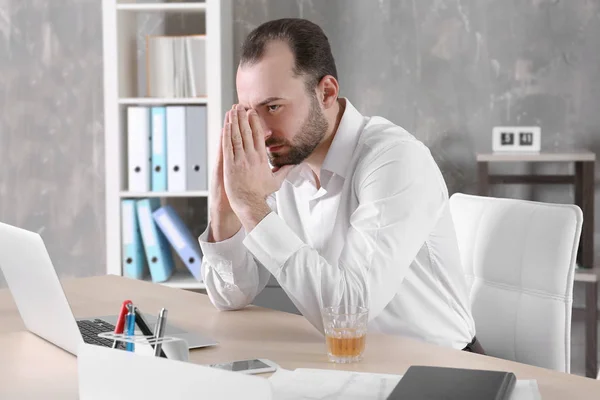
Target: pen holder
<point>174,348</point>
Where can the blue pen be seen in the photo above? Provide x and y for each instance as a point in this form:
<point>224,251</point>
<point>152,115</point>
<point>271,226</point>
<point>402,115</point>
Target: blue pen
<point>130,327</point>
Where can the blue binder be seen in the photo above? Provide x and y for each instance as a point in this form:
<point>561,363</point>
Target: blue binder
<point>180,237</point>
<point>132,251</point>
<point>159,149</point>
<point>156,247</point>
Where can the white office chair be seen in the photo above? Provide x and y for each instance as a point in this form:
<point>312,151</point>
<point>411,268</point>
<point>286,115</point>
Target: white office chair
<point>519,260</point>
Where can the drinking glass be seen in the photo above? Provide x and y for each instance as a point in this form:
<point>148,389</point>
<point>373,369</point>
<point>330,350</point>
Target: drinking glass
<point>345,332</point>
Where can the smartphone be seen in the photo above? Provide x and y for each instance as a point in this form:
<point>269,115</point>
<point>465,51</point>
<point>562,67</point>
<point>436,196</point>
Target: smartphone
<point>255,366</point>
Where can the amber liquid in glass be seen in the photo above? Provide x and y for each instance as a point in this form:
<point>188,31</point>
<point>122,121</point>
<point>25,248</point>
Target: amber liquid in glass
<point>348,345</point>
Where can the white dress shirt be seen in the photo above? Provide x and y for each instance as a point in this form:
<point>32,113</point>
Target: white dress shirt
<point>378,232</point>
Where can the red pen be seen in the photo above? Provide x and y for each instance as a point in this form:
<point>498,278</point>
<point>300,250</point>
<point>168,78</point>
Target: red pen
<point>120,326</point>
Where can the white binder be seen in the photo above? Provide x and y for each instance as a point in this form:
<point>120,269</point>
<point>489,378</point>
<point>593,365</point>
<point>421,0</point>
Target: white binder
<point>195,124</point>
<point>160,66</point>
<point>138,148</point>
<point>176,153</point>
<point>106,373</point>
<point>195,56</point>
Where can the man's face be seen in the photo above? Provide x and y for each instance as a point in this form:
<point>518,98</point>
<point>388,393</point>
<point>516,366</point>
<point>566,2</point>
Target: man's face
<point>292,119</point>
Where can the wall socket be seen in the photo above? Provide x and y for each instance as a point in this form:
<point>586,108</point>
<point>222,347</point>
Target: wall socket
<point>517,138</point>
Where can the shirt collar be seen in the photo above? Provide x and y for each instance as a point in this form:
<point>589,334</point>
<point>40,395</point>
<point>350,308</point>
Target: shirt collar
<point>299,174</point>
<point>342,147</point>
<point>344,142</point>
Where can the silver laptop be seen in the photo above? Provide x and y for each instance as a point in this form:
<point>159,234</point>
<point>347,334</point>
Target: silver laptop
<point>42,303</point>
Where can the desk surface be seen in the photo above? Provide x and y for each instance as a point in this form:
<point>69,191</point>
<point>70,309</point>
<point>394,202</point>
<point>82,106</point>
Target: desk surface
<point>543,156</point>
<point>32,366</point>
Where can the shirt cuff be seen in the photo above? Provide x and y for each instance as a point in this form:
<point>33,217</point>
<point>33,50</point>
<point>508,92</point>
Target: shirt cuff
<point>272,242</point>
<point>225,254</point>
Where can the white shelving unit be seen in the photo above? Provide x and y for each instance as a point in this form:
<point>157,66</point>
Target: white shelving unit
<point>181,280</point>
<point>140,195</point>
<point>161,7</point>
<point>162,101</point>
<point>120,91</point>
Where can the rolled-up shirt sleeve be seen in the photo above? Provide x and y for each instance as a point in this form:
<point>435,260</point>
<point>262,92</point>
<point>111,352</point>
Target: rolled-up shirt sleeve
<point>401,195</point>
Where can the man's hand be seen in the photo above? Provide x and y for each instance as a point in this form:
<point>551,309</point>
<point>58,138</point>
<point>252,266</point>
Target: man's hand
<point>248,177</point>
<point>223,221</point>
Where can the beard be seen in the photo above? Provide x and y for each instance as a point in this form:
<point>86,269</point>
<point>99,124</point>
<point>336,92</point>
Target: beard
<point>311,133</point>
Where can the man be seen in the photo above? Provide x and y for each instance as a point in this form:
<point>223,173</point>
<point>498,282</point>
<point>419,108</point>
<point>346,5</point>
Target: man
<point>354,209</point>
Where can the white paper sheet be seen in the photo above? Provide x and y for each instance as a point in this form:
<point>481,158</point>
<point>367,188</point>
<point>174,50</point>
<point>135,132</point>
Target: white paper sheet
<point>318,384</point>
<point>106,373</point>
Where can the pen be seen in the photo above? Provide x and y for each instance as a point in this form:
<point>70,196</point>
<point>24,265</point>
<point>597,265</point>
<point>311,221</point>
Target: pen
<point>159,331</point>
<point>121,322</point>
<point>130,327</point>
<point>145,328</point>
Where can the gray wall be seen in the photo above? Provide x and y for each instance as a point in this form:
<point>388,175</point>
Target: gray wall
<point>51,128</point>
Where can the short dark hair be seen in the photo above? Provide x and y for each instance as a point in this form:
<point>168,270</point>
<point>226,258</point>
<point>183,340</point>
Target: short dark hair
<point>307,41</point>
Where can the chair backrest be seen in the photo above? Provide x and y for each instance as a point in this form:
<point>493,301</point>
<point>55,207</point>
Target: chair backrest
<point>519,260</point>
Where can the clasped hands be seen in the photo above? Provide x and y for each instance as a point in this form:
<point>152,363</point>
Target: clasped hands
<point>243,177</point>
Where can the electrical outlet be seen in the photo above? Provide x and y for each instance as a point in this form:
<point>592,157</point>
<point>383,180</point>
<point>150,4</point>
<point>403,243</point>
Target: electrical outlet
<point>517,138</point>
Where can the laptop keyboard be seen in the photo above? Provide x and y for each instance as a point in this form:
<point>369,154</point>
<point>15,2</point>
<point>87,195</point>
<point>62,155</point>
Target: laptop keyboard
<point>90,328</point>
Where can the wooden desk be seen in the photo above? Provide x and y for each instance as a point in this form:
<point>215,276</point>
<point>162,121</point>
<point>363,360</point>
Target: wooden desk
<point>31,366</point>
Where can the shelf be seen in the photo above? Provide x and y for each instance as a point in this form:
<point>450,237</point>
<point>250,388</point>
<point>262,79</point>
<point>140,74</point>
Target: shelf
<point>182,7</point>
<point>589,275</point>
<point>182,280</point>
<point>199,193</point>
<point>161,100</point>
